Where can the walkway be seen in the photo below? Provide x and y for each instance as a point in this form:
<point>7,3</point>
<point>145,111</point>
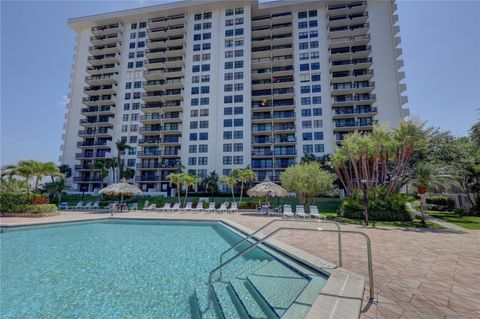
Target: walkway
<point>437,220</point>
<point>419,273</point>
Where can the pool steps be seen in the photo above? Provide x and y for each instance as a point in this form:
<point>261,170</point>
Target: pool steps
<point>258,289</point>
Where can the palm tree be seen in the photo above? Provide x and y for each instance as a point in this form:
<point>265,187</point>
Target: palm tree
<point>308,157</point>
<point>428,177</point>
<point>65,170</point>
<point>101,165</point>
<point>230,181</point>
<point>111,163</point>
<point>189,180</point>
<point>122,146</point>
<point>23,169</point>
<point>57,187</point>
<point>243,176</point>
<point>176,179</point>
<point>210,183</point>
<point>52,170</point>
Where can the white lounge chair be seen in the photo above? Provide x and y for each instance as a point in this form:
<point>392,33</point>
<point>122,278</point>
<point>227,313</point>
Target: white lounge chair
<point>211,208</point>
<point>199,207</point>
<point>234,208</point>
<point>96,205</point>
<point>174,208</point>
<point>223,208</point>
<point>287,212</point>
<point>79,206</point>
<point>133,206</point>
<point>315,214</point>
<point>88,206</point>
<point>164,208</point>
<point>187,207</point>
<point>150,207</point>
<point>300,211</point>
<point>63,206</point>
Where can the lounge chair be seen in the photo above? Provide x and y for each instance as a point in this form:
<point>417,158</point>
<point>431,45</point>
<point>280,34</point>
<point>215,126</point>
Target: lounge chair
<point>234,208</point>
<point>210,209</point>
<point>187,207</point>
<point>88,206</point>
<point>315,214</point>
<point>174,208</point>
<point>164,208</point>
<point>96,205</point>
<point>287,212</point>
<point>223,208</point>
<point>79,206</point>
<point>198,208</point>
<point>300,211</point>
<point>150,207</point>
<point>133,206</point>
<point>63,206</point>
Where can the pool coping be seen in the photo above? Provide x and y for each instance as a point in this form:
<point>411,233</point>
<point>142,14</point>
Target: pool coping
<point>340,298</point>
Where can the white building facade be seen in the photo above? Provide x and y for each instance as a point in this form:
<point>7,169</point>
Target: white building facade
<point>216,85</point>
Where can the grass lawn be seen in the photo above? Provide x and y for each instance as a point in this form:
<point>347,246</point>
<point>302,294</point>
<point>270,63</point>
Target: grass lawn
<point>468,222</point>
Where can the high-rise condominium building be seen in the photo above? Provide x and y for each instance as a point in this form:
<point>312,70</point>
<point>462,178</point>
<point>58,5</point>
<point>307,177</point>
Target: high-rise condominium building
<point>215,85</point>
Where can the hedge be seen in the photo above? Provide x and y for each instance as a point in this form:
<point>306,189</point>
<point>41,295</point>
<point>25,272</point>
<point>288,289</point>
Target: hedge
<point>440,203</point>
<point>390,209</point>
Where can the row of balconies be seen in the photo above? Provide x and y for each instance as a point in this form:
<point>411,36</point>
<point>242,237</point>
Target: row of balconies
<point>161,20</point>
<point>352,123</point>
<point>99,99</point>
<point>158,106</point>
<point>158,128</point>
<point>164,42</point>
<point>87,179</point>
<point>346,19</point>
<point>101,131</point>
<point>279,164</point>
<point>153,117</point>
<point>273,103</point>
<point>349,87</point>
<point>352,110</point>
<point>275,152</point>
<point>168,164</point>
<point>348,6</point>
<point>100,89</point>
<point>90,155</point>
<point>273,128</point>
<point>106,39</point>
<point>105,49</point>
<point>349,99</point>
<point>353,29</point>
<point>150,153</point>
<point>286,139</point>
<point>93,110</point>
<point>159,73</point>
<point>106,68</point>
<point>157,140</point>
<point>92,144</point>
<point>109,78</point>
<point>104,59</point>
<point>108,28</point>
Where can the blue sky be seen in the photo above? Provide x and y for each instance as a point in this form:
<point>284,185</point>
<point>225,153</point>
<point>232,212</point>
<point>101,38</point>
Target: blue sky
<point>440,41</point>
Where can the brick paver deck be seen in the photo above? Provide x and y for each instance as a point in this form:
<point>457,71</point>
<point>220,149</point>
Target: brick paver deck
<point>417,273</point>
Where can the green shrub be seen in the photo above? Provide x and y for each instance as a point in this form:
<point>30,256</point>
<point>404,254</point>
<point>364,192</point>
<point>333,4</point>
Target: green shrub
<point>160,201</point>
<point>440,203</point>
<point>392,208</point>
<point>41,209</point>
<point>247,205</point>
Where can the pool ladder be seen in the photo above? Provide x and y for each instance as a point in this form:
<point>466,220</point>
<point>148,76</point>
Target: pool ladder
<point>338,231</point>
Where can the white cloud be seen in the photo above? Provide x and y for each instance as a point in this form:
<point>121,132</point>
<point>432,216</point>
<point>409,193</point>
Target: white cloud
<point>64,100</point>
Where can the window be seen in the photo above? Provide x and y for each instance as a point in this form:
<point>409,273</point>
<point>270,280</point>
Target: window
<point>128,96</point>
<point>205,89</point>
<point>304,78</point>
<point>131,55</point>
<point>227,148</point>
<point>228,88</point>
<point>314,34</point>
<point>305,101</point>
<point>227,99</point>
<point>303,45</point>
<point>229,12</point>
<point>317,100</point>
<point>238,147</point>
<point>195,79</point>
<point>304,67</point>
<point>228,76</point>
<point>317,123</point>
<point>193,113</point>
<point>205,67</point>
<point>204,101</point>
<point>308,148</point>
<point>312,13</point>
<point>140,54</point>
<point>238,86</point>
<point>133,128</point>
<point>197,27</point>
<point>203,124</point>
<point>238,98</point>
<point>206,46</point>
<point>306,112</point>
<point>141,44</point>
<point>237,122</point>
<point>303,35</point>
<point>205,78</point>
<point>315,77</point>
<point>228,54</point>
<point>196,47</point>
<point>131,162</point>
<point>302,15</point>
<point>193,125</point>
<point>306,124</point>
<point>204,112</point>
<point>239,53</point>
<point>238,11</point>
<point>227,135</point>
<point>318,136</point>
<point>305,89</point>
<point>313,23</point>
<point>238,160</point>
<point>128,85</point>
<point>227,111</point>
<point>136,95</point>
<point>238,75</point>
<point>317,111</point>
<point>206,57</point>
<point>303,56</point>
<point>238,110</point>
<point>124,128</point>
<point>125,117</point>
<point>195,68</point>
<point>195,90</point>
<point>228,22</point>
<point>193,136</point>
<point>228,65</point>
<point>136,106</point>
<point>135,117</point>
<point>315,66</point>
<point>239,43</point>
<point>192,148</point>
<point>130,65</point>
<point>139,64</point>
<point>126,106</point>
<point>202,161</point>
<point>227,123</point>
<point>319,148</point>
<point>207,36</point>
<point>143,25</point>
<point>226,172</point>
<point>133,26</point>
<point>239,21</point>
<point>142,34</point>
<point>207,15</point>
<point>197,16</point>
<point>228,43</point>
<point>203,148</point>
<point>238,134</point>
<point>229,33</point>
<point>239,31</point>
<point>192,161</point>
<point>306,136</point>
<point>313,44</point>
<point>197,37</point>
<point>238,64</point>
<point>316,88</point>
<point>227,160</point>
<point>207,25</point>
<point>194,101</point>
<point>302,25</point>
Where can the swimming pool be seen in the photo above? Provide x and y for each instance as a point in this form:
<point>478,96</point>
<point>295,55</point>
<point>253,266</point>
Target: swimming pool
<point>145,269</point>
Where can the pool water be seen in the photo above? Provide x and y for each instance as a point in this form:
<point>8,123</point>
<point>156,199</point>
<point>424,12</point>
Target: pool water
<point>127,269</point>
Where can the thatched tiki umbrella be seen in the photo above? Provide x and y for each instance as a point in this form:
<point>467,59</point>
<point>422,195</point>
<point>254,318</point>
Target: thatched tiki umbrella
<point>122,188</point>
<point>267,189</point>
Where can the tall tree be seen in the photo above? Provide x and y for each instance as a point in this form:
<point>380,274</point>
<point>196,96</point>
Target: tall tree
<point>122,146</point>
<point>65,170</point>
<point>111,164</point>
<point>230,181</point>
<point>189,180</point>
<point>308,157</point>
<point>243,176</point>
<point>210,183</point>
<point>177,180</point>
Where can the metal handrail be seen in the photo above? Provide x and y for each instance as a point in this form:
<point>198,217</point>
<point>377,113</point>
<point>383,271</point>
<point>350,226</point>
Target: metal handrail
<point>285,220</point>
<point>371,297</point>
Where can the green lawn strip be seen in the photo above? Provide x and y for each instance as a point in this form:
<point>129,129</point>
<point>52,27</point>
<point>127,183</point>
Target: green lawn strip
<point>416,223</point>
<point>468,222</point>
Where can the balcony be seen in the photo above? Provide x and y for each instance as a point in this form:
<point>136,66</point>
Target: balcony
<point>147,178</point>
<point>163,21</point>
<point>95,122</point>
<point>102,79</point>
<point>99,100</point>
<point>96,110</point>
<point>350,76</point>
<point>262,153</point>
<point>105,49</point>
<point>175,32</point>
<point>83,167</point>
<point>101,69</point>
<point>91,144</point>
<point>86,179</point>
<point>343,8</point>
<point>106,39</point>
<point>107,89</point>
<point>100,132</point>
<point>163,41</point>
<point>346,19</point>
<point>343,53</point>
<point>107,29</point>
<point>104,59</point>
<point>350,30</point>
<point>343,65</point>
<point>88,155</point>
<point>354,40</point>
